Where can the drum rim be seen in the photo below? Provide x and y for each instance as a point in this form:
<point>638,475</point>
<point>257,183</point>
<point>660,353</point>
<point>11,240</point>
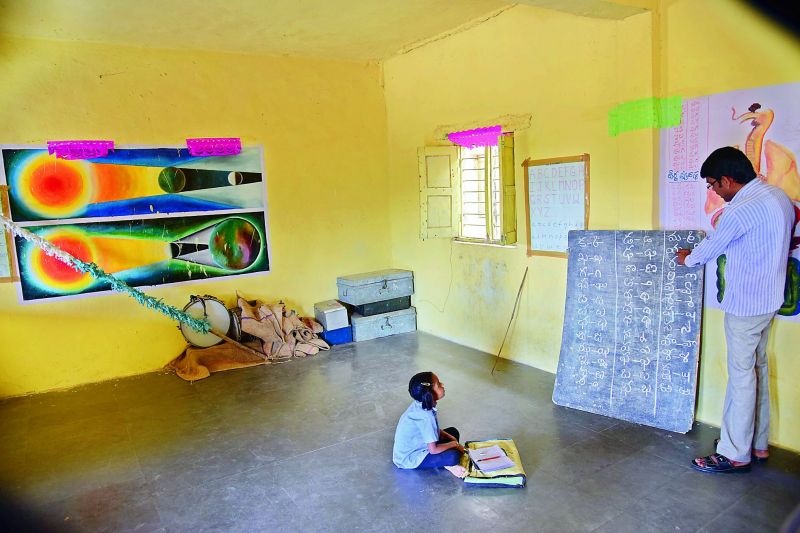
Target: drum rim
<point>193,300</point>
<point>236,324</point>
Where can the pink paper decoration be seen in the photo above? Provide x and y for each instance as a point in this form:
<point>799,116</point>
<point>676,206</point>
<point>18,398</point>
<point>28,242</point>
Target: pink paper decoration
<point>477,137</point>
<point>214,146</point>
<point>79,149</point>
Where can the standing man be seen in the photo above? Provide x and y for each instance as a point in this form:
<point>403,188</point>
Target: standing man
<point>754,233</point>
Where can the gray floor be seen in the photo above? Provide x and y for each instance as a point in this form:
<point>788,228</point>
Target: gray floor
<point>306,446</point>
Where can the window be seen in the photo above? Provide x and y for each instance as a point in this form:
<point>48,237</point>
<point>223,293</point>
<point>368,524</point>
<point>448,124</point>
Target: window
<point>480,193</point>
<point>469,193</point>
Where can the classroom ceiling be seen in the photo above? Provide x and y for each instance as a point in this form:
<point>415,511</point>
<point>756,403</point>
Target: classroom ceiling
<point>356,30</point>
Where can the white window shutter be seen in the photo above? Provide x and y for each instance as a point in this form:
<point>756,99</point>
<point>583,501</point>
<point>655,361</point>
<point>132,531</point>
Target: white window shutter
<point>509,206</point>
<point>439,191</point>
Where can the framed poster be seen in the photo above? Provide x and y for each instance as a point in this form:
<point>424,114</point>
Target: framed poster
<point>556,201</point>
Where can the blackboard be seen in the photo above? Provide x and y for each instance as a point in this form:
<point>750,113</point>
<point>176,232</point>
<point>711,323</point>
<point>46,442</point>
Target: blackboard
<point>631,335</point>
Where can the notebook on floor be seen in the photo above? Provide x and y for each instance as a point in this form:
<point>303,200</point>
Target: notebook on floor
<point>511,475</point>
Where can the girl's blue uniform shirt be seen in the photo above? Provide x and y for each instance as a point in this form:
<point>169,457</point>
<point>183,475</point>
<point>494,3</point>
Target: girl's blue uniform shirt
<point>416,428</point>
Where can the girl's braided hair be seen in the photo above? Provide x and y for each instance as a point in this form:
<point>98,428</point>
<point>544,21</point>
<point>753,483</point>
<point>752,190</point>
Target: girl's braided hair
<point>421,389</point>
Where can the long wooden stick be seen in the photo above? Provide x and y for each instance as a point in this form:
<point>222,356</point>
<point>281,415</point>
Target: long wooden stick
<point>514,312</point>
<point>238,344</point>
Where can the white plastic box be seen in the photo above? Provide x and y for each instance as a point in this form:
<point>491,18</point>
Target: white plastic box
<point>331,314</point>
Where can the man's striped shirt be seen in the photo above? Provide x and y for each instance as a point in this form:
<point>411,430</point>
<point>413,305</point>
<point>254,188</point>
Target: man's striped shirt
<point>754,233</point>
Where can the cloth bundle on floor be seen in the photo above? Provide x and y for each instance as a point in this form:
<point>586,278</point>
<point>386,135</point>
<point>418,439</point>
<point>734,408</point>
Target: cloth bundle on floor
<point>279,334</point>
<point>508,477</point>
<point>283,334</point>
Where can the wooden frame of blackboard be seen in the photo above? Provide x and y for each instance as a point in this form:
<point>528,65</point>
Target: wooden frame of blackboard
<point>554,161</point>
<point>6,210</point>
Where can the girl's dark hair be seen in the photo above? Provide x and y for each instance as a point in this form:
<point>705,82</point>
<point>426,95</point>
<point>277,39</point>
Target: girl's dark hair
<point>421,389</point>
<point>728,161</point>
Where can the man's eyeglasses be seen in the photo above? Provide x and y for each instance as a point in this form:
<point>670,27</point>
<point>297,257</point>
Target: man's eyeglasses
<point>710,184</point>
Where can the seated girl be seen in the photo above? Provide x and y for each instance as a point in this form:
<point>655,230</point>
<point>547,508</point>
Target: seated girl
<point>418,441</point>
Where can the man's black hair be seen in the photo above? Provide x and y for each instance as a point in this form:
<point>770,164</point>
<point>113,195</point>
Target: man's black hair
<point>728,161</point>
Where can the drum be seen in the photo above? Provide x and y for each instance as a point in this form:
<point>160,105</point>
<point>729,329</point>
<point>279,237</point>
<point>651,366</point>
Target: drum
<point>220,318</point>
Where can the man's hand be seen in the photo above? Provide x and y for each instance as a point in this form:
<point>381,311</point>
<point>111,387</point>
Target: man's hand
<point>682,253</point>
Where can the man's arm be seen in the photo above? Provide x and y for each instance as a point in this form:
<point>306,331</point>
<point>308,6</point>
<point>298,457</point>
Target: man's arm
<point>729,230</point>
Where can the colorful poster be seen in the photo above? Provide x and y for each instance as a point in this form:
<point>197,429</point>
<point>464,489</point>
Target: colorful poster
<point>149,216</point>
<point>130,182</point>
<point>765,124</point>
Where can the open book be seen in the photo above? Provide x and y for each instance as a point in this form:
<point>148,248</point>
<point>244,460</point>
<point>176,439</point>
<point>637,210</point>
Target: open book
<point>490,458</point>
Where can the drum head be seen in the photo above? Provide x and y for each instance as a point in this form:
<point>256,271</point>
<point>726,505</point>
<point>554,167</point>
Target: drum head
<point>217,315</point>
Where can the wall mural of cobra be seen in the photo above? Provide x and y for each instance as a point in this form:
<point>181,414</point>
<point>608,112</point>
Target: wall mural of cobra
<point>148,216</point>
<point>767,133</point>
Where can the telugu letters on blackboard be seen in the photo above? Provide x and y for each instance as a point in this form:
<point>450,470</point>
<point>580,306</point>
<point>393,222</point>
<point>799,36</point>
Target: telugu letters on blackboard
<point>631,329</point>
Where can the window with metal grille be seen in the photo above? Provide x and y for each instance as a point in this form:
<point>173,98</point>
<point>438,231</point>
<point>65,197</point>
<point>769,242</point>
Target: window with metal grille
<point>481,193</point>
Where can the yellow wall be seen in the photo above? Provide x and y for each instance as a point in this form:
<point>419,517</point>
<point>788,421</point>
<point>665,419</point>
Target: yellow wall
<point>322,125</point>
<point>568,72</point>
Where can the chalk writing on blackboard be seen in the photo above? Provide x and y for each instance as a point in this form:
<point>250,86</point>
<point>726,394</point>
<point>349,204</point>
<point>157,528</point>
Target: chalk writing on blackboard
<point>631,327</point>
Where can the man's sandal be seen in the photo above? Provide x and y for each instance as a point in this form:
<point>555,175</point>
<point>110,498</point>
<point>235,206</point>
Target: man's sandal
<point>753,453</point>
<point>718,464</point>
